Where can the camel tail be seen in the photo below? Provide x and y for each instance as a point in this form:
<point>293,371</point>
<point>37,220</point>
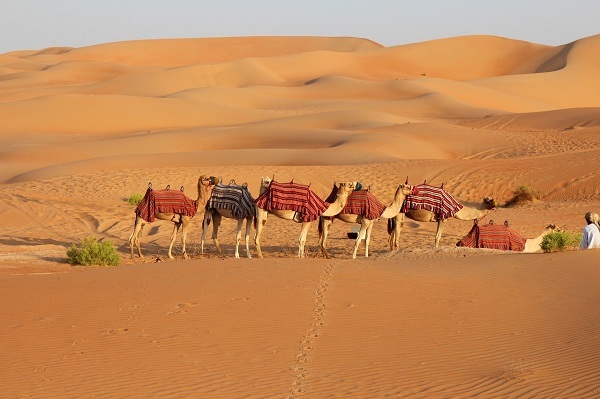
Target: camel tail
<point>320,227</point>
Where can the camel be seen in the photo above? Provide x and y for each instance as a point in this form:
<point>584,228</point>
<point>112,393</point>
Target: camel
<point>502,237</point>
<point>469,211</point>
<point>324,209</point>
<point>185,211</point>
<point>232,202</point>
<point>535,244</point>
<point>366,224</point>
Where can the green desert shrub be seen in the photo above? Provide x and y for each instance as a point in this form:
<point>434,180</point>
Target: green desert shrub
<point>135,199</point>
<point>522,195</point>
<point>93,252</point>
<point>560,241</point>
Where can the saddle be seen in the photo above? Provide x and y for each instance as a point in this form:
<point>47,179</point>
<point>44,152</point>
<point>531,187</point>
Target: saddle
<point>493,236</point>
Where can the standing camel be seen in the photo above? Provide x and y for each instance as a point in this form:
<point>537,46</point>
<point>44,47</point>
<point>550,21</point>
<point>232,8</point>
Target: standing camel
<point>363,208</point>
<point>233,202</point>
<point>433,204</point>
<point>170,205</point>
<point>292,201</point>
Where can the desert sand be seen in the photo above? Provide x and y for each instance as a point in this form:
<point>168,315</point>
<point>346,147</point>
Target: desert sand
<point>85,128</point>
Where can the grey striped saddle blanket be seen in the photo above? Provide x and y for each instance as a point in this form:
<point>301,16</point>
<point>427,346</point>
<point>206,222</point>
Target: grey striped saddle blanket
<point>233,197</point>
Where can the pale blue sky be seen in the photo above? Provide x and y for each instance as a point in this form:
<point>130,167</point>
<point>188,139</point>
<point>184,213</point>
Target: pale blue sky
<point>37,24</point>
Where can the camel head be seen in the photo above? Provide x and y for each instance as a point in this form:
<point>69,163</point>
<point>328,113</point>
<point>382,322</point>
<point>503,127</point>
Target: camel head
<point>551,228</point>
<point>345,188</point>
<point>265,182</point>
<point>406,189</point>
<point>207,181</point>
<point>489,203</point>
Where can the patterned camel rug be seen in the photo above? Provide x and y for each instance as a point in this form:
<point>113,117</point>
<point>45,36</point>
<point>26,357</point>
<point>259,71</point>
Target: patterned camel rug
<point>292,197</point>
<point>363,203</point>
<point>233,197</point>
<point>493,237</point>
<point>434,199</point>
<point>165,201</point>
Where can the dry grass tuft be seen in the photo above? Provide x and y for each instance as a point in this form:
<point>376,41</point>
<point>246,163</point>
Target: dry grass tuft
<point>523,195</point>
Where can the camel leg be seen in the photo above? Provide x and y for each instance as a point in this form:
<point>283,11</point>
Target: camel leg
<point>397,223</point>
<point>391,227</point>
<point>249,221</point>
<point>176,227</point>
<point>324,232</point>
<point>205,223</point>
<point>438,233</point>
<point>303,234</point>
<point>370,224</point>
<point>361,234</point>
<point>260,221</point>
<point>134,238</point>
<point>185,222</point>
<point>238,237</point>
<point>217,218</point>
<point>138,240</point>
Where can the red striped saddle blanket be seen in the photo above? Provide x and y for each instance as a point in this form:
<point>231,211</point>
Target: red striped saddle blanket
<point>364,203</point>
<point>233,197</point>
<point>434,199</point>
<point>493,237</point>
<point>165,201</point>
<point>292,197</point>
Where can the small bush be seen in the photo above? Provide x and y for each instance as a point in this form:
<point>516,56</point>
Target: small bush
<point>522,195</point>
<point>560,241</point>
<point>135,199</point>
<point>93,252</point>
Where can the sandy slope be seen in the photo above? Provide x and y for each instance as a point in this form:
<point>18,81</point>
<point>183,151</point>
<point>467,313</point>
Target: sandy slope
<point>84,128</point>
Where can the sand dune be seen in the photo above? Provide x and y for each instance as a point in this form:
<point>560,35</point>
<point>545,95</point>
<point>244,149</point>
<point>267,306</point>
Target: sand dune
<point>85,128</point>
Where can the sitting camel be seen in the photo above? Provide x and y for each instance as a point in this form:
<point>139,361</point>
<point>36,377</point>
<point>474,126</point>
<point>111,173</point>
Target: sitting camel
<point>433,204</point>
<point>535,244</point>
<point>292,201</point>
<point>233,202</point>
<point>171,205</point>
<point>363,208</point>
<point>502,237</point>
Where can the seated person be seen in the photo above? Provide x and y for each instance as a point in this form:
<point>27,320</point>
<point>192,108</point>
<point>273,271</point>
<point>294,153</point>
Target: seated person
<point>591,232</point>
